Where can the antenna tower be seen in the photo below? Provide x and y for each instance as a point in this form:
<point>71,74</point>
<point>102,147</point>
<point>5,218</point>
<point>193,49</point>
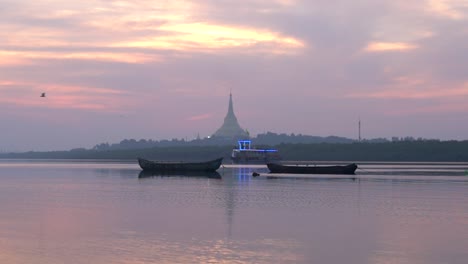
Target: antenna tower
<point>359,129</point>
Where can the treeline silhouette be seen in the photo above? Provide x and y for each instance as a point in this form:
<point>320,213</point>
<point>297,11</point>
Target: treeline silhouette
<point>410,150</point>
<point>427,150</point>
<point>268,138</point>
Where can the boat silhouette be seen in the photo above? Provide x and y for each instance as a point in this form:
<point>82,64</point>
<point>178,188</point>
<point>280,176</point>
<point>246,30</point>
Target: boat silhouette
<point>179,166</point>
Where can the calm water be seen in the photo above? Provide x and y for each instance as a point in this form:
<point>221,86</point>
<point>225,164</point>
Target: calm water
<point>103,212</point>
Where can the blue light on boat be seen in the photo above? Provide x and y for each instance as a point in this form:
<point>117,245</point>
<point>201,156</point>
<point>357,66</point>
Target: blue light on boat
<point>245,145</point>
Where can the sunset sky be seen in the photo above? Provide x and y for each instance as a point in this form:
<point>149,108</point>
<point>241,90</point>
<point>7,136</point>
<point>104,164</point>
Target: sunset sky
<point>164,69</point>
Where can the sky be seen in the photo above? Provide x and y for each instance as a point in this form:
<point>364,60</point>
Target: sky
<point>142,69</point>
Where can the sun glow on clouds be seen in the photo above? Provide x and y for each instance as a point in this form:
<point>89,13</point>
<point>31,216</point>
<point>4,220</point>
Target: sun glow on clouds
<point>189,36</point>
<point>32,36</point>
<point>28,57</point>
<point>448,8</point>
<point>135,27</point>
<point>286,2</point>
<point>389,46</point>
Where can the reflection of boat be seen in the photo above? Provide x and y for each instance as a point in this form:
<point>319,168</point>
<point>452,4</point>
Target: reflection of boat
<point>245,154</point>
<point>163,166</point>
<point>191,174</point>
<point>305,169</point>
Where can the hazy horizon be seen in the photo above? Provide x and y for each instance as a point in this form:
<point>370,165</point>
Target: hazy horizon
<point>115,70</point>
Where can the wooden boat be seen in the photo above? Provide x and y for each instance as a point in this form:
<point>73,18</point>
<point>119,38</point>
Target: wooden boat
<point>163,166</point>
<point>190,174</point>
<point>311,169</point>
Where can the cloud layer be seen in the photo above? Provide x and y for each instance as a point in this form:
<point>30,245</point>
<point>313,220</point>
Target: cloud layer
<point>164,69</point>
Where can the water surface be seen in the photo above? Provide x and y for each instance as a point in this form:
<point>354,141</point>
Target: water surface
<point>103,212</point>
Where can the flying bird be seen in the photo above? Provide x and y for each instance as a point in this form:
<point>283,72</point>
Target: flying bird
<point>43,95</point>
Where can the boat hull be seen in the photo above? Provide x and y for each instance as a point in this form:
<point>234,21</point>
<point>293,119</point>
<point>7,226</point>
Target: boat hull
<point>279,168</point>
<point>160,166</point>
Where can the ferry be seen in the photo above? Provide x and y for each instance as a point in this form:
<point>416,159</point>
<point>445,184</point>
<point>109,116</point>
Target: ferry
<point>244,153</point>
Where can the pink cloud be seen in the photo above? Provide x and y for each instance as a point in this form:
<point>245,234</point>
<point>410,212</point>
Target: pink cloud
<point>440,108</point>
<point>12,58</point>
<point>60,96</point>
<point>411,93</point>
<point>200,117</point>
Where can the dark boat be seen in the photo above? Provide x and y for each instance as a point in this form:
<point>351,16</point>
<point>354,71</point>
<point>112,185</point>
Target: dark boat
<point>179,166</point>
<point>311,169</point>
<point>189,174</point>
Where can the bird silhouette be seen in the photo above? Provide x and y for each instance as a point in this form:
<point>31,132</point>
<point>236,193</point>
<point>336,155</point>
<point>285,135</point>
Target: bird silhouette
<point>43,95</point>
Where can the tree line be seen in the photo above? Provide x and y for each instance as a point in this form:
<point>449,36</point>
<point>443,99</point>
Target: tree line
<point>424,150</point>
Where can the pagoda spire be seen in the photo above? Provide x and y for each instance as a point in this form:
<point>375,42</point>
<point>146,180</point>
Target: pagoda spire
<point>230,127</point>
<point>230,112</point>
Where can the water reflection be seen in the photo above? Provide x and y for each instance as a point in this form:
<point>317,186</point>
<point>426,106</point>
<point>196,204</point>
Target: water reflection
<point>112,172</point>
<point>107,213</point>
<point>191,174</point>
<point>315,177</point>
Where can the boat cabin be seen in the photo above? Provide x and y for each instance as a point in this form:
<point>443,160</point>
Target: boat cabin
<point>244,153</point>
